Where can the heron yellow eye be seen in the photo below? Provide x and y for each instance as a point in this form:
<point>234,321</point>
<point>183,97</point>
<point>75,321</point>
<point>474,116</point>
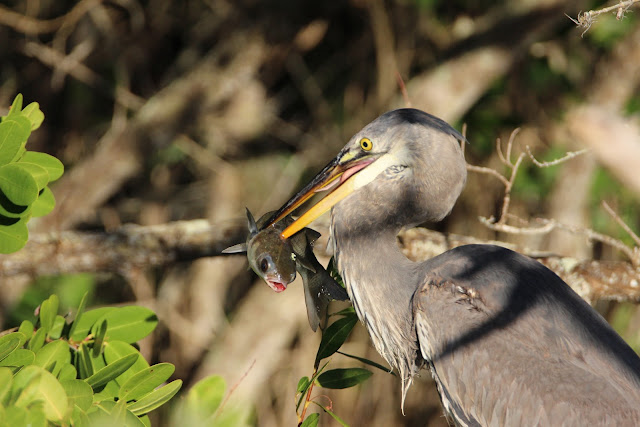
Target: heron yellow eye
<point>366,144</point>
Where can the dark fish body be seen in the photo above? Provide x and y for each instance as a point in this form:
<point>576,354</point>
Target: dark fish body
<point>276,261</point>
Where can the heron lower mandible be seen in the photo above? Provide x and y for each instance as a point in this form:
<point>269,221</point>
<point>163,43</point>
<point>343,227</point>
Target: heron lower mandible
<point>507,341</point>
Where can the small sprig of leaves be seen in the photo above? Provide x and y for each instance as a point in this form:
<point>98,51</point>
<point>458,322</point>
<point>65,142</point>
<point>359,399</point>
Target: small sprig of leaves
<point>24,175</point>
<point>81,373</point>
<point>333,337</point>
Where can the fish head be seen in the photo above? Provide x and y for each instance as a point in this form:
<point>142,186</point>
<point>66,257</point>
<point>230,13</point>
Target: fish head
<point>272,258</point>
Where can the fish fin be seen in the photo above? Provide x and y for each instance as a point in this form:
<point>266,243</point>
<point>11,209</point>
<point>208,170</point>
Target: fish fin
<point>333,290</point>
<point>253,227</point>
<point>236,249</point>
<point>316,302</point>
<point>302,262</point>
<point>312,235</point>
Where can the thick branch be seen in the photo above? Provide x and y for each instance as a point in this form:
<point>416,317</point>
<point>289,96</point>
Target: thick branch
<point>134,246</point>
<point>130,246</point>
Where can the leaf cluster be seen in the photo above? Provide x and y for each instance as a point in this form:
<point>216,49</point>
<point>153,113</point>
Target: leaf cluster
<point>81,373</point>
<point>333,337</point>
<point>24,175</point>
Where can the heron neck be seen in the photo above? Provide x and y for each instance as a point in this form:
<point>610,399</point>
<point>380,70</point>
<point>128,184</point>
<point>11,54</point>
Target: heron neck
<point>380,281</point>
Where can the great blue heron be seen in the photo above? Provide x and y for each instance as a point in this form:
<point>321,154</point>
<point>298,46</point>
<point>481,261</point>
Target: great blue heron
<point>507,341</point>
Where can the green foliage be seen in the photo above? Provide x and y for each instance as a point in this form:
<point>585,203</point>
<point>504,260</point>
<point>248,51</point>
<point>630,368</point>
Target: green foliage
<point>24,176</point>
<point>84,372</point>
<point>205,405</point>
<point>333,337</point>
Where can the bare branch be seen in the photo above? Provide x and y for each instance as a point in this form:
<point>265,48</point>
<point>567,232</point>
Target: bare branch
<point>587,19</point>
<point>127,248</point>
<point>31,26</point>
<point>569,155</point>
<point>488,171</point>
<point>592,280</point>
<point>620,222</point>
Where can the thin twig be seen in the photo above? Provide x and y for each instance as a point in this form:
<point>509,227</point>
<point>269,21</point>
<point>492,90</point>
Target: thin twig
<point>31,26</point>
<point>567,156</point>
<point>620,222</point>
<point>232,389</point>
<point>587,19</point>
<point>488,171</point>
<point>403,90</point>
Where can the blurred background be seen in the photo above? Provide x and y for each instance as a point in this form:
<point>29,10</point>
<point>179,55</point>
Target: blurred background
<point>166,110</point>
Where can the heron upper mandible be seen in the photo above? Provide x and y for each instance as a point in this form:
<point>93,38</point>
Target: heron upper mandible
<point>506,340</point>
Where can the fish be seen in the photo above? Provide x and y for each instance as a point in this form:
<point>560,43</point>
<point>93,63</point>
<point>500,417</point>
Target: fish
<point>276,261</point>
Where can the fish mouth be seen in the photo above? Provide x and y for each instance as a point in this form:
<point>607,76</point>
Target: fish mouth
<point>276,285</point>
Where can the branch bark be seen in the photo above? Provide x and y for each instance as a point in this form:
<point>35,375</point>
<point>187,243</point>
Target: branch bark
<point>133,246</point>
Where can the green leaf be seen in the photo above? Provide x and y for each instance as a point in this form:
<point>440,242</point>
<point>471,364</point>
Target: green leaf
<point>53,356</point>
<point>53,166</point>
<point>205,396</point>
<point>335,417</point>
<point>303,384</point>
<point>156,398</point>
<point>68,372</point>
<point>334,336</point>
<point>6,380</point>
<point>83,361</point>
<point>14,133</point>
<point>313,378</point>
<point>111,371</point>
<point>18,185</point>
<point>33,113</point>
<point>114,350</point>
<point>10,342</point>
<point>345,312</point>
<point>16,106</point>
<point>79,418</point>
<point>26,328</point>
<point>48,312</point>
<point>19,358</point>
<point>128,324</point>
<point>79,393</point>
<point>119,413</point>
<point>47,390</point>
<point>39,174</point>
<point>56,329</point>
<point>145,381</point>
<point>104,417</point>
<point>37,341</point>
<point>13,236</point>
<point>44,204</point>
<point>343,378</point>
<point>88,319</point>
<point>99,338</point>
<point>109,392</point>
<point>311,420</point>
<point>369,362</point>
<point>79,313</point>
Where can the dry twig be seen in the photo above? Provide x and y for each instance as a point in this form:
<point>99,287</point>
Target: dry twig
<point>547,225</point>
<point>587,19</point>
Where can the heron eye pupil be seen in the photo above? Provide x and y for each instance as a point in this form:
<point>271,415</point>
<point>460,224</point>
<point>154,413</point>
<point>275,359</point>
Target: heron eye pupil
<point>264,265</point>
<point>366,144</point>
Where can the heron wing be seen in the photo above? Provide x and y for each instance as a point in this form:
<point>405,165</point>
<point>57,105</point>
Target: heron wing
<point>510,343</point>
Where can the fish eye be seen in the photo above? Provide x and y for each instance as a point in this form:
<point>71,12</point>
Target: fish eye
<point>366,144</point>
<point>264,265</point>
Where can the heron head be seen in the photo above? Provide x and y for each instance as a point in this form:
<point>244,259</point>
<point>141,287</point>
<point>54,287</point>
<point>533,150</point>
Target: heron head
<point>406,163</point>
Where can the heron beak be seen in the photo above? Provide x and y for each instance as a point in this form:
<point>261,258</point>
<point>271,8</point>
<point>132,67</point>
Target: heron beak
<point>336,177</point>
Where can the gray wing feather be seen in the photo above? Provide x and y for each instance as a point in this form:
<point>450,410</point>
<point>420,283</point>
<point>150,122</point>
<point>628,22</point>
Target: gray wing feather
<point>509,345</point>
